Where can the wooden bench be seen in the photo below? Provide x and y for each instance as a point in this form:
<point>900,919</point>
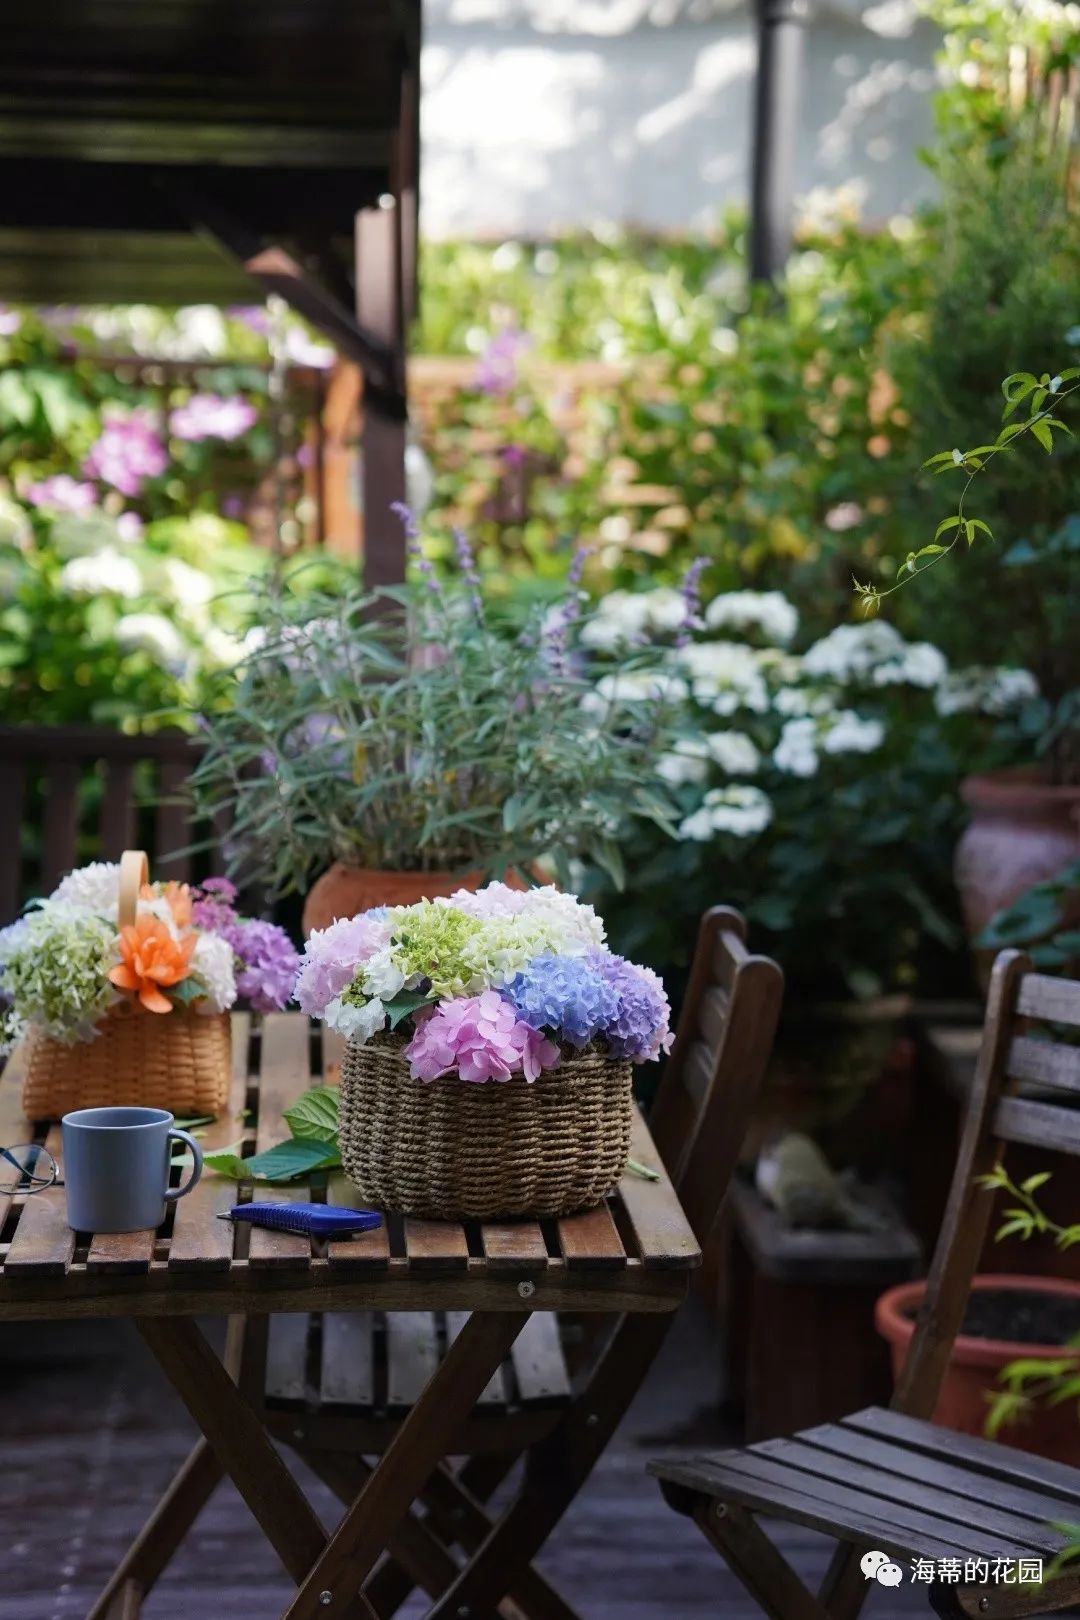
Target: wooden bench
<point>888,1480</point>
<point>72,794</point>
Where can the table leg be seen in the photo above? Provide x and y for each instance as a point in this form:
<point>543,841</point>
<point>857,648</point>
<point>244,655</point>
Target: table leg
<point>424,1438</point>
<point>556,1469</point>
<point>184,1499</point>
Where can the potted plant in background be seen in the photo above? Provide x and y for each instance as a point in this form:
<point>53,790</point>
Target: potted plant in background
<point>399,748</point>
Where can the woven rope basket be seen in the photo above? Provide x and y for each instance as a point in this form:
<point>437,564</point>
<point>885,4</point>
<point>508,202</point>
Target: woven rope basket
<point>181,1060</point>
<point>451,1150</point>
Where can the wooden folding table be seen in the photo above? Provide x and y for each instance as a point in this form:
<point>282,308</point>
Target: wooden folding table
<point>630,1258</point>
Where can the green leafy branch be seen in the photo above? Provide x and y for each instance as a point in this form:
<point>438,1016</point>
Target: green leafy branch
<point>1029,1381</point>
<point>1042,397</point>
<point>1027,1219</point>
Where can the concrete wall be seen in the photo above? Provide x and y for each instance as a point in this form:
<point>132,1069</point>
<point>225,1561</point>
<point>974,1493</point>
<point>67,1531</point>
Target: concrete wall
<point>545,114</point>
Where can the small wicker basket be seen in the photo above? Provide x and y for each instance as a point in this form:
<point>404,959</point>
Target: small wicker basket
<point>451,1150</point>
<point>181,1060</point>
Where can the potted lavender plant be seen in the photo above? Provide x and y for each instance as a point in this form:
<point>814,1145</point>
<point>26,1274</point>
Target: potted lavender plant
<point>400,748</point>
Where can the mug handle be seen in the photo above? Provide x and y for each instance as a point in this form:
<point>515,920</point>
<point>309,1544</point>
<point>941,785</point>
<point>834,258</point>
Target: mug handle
<point>173,1193</point>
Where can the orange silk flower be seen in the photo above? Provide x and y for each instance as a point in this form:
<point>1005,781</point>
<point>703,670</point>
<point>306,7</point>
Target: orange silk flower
<point>177,894</point>
<point>149,958</point>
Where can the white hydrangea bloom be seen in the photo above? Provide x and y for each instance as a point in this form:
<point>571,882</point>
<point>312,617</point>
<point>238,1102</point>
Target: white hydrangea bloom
<point>104,571</point>
<point>796,753</point>
<point>636,686</point>
<point>95,887</point>
<point>767,611</point>
<point>687,762</point>
<point>995,691</point>
<point>152,633</point>
<point>733,751</point>
<point>725,676</point>
<point>212,966</point>
<point>355,1023</point>
<point>742,811</point>
<point>189,587</point>
<point>619,621</point>
<point>792,701</point>
<point>921,665</point>
<point>853,651</point>
<point>665,609</point>
<point>382,976</point>
<point>851,734</point>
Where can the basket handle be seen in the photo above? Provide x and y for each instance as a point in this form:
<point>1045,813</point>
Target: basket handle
<point>134,872</point>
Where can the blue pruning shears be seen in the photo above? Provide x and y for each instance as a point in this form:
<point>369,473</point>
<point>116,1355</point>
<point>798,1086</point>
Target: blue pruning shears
<point>310,1220</point>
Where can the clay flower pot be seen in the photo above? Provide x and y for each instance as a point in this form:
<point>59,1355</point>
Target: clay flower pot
<point>1022,831</point>
<point>974,1363</point>
<point>346,891</point>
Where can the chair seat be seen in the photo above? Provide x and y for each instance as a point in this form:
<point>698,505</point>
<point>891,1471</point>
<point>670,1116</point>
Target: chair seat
<point>346,1380</point>
<point>883,1480</point>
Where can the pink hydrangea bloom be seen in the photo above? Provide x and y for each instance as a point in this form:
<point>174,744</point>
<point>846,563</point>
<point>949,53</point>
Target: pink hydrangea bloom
<point>482,1038</point>
<point>332,956</point>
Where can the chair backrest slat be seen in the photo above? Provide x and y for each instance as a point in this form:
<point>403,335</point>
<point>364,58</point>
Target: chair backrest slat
<point>12,802</point>
<point>1053,1000</point>
<point>1036,1124</point>
<point>725,1035</point>
<point>1011,1053</point>
<point>1050,1064</point>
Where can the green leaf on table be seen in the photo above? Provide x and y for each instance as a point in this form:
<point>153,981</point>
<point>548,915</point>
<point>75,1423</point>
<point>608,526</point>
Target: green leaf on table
<point>314,1116</point>
<point>285,1162</point>
<point>406,1002</point>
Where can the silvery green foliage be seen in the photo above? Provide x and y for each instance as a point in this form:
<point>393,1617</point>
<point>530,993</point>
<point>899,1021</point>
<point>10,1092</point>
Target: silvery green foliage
<point>411,731</point>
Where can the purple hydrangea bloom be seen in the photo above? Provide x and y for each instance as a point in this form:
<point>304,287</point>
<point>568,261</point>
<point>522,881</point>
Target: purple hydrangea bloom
<point>332,956</point>
<point>566,995</point>
<point>497,372</point>
<point>208,416</point>
<point>640,1028</point>
<point>62,493</point>
<point>128,452</point>
<point>269,963</point>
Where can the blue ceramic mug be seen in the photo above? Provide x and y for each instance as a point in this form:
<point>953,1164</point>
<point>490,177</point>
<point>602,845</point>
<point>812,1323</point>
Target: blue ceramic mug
<point>116,1168</point>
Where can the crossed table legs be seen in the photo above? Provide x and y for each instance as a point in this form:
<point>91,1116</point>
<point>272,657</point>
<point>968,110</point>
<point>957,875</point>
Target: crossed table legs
<point>330,1571</point>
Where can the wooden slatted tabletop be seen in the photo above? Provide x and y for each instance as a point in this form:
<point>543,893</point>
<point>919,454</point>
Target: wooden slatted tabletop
<point>633,1253</point>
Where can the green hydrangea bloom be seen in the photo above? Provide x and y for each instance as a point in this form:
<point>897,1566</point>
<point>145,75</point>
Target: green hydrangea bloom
<point>503,946</point>
<point>55,971</point>
<point>432,940</point>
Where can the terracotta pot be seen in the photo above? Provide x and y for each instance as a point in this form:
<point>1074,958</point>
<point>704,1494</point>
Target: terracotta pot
<point>346,891</point>
<point>972,1374</point>
<point>1022,830</point>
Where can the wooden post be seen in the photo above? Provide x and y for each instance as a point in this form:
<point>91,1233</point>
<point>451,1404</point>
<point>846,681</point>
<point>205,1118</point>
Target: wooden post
<point>379,307</point>
<point>781,28</point>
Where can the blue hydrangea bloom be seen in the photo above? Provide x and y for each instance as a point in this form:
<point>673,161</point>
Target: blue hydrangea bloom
<point>639,1028</point>
<point>565,995</point>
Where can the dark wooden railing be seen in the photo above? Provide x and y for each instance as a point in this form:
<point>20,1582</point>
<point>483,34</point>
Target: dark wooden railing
<point>71,794</point>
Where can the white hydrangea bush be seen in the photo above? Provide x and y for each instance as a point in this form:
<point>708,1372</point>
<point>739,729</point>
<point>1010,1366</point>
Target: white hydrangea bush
<point>761,717</point>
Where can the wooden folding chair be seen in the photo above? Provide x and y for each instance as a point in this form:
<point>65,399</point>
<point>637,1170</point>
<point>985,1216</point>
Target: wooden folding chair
<point>888,1480</point>
<point>337,1386</point>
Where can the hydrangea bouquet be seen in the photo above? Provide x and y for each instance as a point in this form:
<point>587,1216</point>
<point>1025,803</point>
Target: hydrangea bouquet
<point>68,962</point>
<point>489,985</point>
<point>517,988</point>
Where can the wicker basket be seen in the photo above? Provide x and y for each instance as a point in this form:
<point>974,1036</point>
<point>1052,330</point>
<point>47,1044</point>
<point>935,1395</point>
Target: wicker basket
<point>450,1150</point>
<point>181,1060</point>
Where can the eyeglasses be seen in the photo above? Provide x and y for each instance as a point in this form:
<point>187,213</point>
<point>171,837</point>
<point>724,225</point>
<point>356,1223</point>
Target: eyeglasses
<point>28,1168</point>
